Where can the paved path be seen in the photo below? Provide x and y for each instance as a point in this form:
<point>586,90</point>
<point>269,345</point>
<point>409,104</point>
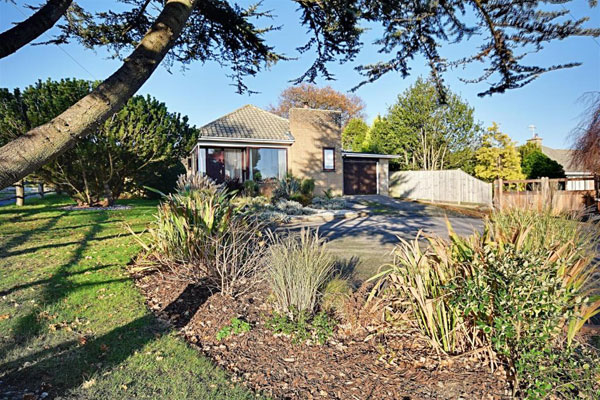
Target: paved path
<point>366,242</point>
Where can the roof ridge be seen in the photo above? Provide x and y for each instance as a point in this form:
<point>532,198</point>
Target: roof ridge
<point>226,115</point>
<point>268,112</point>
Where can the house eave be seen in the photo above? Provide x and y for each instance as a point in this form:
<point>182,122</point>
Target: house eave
<point>351,154</point>
<point>245,140</point>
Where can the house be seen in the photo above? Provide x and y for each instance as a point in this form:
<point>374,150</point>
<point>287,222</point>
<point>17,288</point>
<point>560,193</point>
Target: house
<point>572,168</point>
<point>251,143</point>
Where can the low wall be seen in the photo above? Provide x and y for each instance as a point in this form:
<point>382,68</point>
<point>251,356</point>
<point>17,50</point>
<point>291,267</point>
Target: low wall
<point>447,186</point>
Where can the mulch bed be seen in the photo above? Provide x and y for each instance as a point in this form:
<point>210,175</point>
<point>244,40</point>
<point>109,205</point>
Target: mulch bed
<point>347,367</point>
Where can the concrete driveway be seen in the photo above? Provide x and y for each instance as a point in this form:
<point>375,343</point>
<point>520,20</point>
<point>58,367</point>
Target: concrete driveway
<point>365,243</point>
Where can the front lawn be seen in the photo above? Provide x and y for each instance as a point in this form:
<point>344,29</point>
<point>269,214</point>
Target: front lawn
<point>72,323</point>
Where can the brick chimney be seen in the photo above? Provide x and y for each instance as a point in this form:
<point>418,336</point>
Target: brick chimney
<point>315,131</point>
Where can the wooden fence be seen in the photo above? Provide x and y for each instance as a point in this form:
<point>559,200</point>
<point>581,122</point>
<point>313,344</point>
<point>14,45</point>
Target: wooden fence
<point>447,186</point>
<point>21,190</point>
<point>544,193</point>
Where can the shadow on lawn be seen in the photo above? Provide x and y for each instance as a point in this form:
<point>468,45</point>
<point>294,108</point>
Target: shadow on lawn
<point>66,365</point>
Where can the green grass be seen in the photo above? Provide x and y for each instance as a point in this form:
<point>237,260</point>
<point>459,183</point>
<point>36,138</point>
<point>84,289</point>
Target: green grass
<point>71,317</point>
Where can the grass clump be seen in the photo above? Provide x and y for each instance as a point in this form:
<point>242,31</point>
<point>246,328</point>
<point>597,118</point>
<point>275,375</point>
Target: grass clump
<point>235,327</point>
<point>299,267</point>
<point>201,236</point>
<point>522,290</point>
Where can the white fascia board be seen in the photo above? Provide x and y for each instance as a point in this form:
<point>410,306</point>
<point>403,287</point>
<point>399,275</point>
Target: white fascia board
<point>215,139</point>
<point>368,155</point>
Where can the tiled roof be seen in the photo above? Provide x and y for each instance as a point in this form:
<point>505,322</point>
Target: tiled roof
<point>564,158</point>
<point>249,122</point>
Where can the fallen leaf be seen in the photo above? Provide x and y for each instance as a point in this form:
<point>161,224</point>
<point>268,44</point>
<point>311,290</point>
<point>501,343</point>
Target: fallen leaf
<point>4,316</point>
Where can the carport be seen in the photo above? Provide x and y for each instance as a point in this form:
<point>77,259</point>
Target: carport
<point>366,173</point>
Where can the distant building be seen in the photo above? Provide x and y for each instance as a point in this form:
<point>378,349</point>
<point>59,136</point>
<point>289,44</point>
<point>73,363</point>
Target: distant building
<point>572,168</point>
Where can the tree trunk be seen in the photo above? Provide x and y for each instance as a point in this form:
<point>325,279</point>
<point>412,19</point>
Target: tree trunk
<point>28,30</point>
<point>20,193</point>
<point>29,152</point>
<point>41,189</point>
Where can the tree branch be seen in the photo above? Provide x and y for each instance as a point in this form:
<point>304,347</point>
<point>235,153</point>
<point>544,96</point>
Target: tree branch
<point>29,152</point>
<point>30,29</point>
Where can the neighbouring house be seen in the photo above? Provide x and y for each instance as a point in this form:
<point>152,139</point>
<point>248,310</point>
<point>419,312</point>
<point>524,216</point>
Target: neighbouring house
<point>572,168</point>
<point>251,143</point>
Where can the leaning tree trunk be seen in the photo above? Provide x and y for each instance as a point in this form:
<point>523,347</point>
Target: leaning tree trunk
<point>29,152</point>
<point>28,30</point>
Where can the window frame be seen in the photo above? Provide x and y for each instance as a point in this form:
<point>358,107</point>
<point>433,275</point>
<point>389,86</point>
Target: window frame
<point>333,152</point>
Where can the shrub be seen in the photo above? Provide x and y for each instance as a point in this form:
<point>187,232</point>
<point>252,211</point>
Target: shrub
<point>324,203</point>
<point>200,238</point>
<point>523,288</point>
<point>302,328</point>
<point>292,188</point>
<point>299,267</point>
<point>291,207</point>
<point>250,188</point>
<point>235,327</point>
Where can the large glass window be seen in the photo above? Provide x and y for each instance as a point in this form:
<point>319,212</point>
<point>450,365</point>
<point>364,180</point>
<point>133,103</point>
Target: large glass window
<point>215,164</point>
<point>233,164</point>
<point>268,163</point>
<point>202,161</point>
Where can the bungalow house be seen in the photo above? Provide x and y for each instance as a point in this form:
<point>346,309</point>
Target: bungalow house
<point>572,168</point>
<point>251,143</point>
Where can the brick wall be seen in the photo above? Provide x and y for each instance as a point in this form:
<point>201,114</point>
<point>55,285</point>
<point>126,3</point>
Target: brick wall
<point>314,130</point>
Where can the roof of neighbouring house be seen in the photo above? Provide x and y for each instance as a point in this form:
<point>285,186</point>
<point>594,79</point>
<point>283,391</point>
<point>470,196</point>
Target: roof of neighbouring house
<point>564,158</point>
<point>248,122</point>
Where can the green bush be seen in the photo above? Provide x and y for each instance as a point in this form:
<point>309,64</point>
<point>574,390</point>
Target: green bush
<point>318,329</point>
<point>522,288</point>
<point>299,267</point>
<point>292,188</point>
<point>235,327</point>
<point>251,188</point>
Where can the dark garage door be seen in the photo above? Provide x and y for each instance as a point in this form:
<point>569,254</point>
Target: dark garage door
<point>360,176</point>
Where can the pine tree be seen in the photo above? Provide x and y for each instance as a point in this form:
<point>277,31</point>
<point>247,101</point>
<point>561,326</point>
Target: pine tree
<point>136,146</point>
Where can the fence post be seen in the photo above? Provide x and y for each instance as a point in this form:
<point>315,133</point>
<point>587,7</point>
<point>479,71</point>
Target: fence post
<point>20,193</point>
<point>545,199</point>
<point>41,189</point>
<point>500,200</point>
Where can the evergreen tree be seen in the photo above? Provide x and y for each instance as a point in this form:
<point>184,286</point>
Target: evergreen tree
<point>139,145</point>
<point>498,157</point>
<point>429,129</point>
<point>535,164</point>
<point>354,135</point>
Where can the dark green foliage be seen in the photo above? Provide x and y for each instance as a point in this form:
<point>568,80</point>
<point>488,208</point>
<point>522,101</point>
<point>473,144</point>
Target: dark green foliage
<point>139,146</point>
<point>235,327</point>
<point>162,178</point>
<point>250,188</point>
<point>502,32</point>
<point>428,132</point>
<point>302,328</point>
<point>536,164</point>
<point>292,188</point>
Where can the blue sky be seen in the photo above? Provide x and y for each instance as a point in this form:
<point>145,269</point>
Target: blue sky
<point>203,92</point>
